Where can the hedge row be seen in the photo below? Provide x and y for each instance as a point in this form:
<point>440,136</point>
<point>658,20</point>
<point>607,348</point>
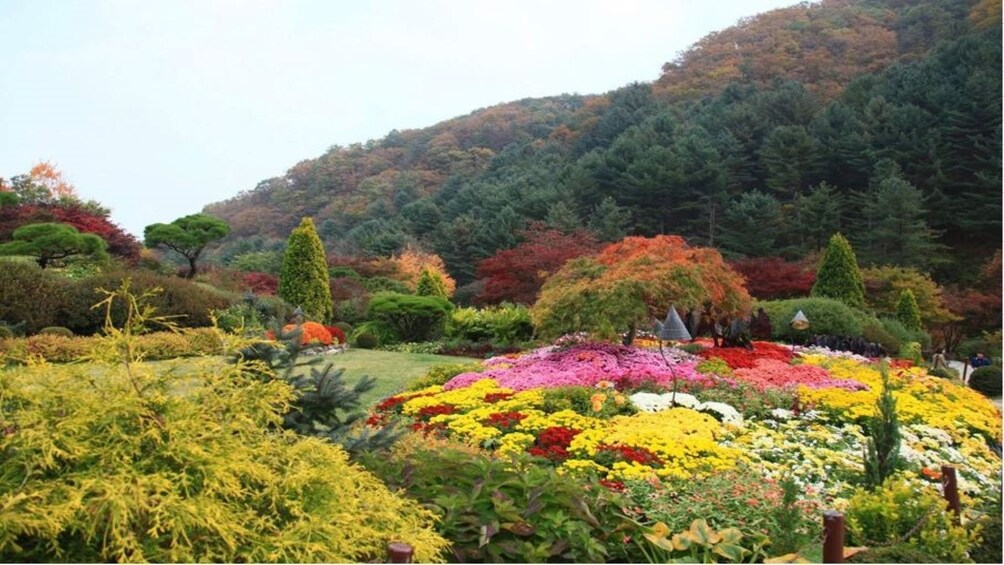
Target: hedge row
<point>152,346</point>
<point>41,298</point>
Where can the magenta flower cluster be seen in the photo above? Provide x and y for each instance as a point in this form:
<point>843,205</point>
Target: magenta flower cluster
<point>771,373</point>
<point>583,365</point>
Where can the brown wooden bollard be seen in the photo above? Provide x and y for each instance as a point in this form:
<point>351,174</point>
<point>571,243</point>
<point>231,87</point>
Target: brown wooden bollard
<point>833,537</point>
<point>398,552</point>
<point>950,483</point>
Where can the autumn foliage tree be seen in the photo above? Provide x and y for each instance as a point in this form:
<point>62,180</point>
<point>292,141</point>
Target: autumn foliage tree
<point>411,264</point>
<point>631,282</point>
<point>773,278</point>
<point>517,274</point>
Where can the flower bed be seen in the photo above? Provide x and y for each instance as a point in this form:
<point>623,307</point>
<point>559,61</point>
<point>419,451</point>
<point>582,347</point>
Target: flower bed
<point>607,412</point>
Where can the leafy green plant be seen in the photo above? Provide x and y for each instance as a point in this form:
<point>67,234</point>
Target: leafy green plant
<point>907,512</point>
<point>907,311</point>
<point>702,544</point>
<point>839,277</point>
<point>432,347</point>
<point>505,323</point>
<point>495,510</point>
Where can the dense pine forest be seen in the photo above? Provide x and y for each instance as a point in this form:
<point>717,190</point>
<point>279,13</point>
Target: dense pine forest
<point>880,119</point>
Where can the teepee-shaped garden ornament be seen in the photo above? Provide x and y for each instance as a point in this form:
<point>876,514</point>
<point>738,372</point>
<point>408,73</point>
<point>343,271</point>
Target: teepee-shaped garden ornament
<point>672,329</point>
<point>798,323</point>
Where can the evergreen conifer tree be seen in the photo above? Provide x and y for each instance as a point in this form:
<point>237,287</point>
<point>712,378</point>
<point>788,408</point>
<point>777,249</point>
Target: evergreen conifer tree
<point>839,277</point>
<point>303,280</point>
<point>907,310</point>
<point>431,284</point>
<point>882,456</point>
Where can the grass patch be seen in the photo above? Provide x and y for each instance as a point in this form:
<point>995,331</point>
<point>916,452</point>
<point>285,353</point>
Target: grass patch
<point>391,370</point>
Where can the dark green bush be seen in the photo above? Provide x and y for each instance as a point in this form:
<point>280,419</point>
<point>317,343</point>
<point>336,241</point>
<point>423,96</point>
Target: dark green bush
<point>31,296</point>
<point>504,511</point>
<point>826,317</point>
<point>55,330</point>
<point>875,332</point>
<point>345,327</point>
<point>989,549</point>
<point>381,332</point>
<point>986,380</point>
<point>253,313</point>
<point>188,303</point>
<point>413,318</point>
<point>366,340</point>
<point>943,373</point>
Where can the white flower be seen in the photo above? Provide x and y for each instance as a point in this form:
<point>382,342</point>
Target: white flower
<point>729,414</point>
<point>782,414</point>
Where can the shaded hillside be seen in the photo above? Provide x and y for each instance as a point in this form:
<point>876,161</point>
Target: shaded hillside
<point>770,163</point>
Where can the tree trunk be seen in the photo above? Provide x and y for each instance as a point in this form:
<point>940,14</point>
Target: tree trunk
<point>191,267</point>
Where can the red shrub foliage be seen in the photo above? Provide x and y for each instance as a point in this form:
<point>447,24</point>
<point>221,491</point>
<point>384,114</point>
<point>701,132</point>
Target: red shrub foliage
<point>312,333</point>
<point>773,278</point>
<point>261,283</point>
<point>517,274</point>
<point>120,243</point>
<point>337,335</point>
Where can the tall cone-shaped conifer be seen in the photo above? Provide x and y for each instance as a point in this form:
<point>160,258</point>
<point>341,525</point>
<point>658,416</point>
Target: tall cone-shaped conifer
<point>839,277</point>
<point>303,280</point>
<point>907,310</point>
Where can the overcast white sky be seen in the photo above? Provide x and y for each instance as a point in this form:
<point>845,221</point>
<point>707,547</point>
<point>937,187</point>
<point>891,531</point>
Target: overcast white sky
<point>156,108</point>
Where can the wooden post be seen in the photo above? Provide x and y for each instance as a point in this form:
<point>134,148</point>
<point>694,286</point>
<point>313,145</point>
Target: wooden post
<point>833,537</point>
<point>399,552</point>
<point>950,482</point>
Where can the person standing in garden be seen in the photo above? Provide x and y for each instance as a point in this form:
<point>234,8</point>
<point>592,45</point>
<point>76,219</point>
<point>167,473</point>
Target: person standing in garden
<point>979,360</point>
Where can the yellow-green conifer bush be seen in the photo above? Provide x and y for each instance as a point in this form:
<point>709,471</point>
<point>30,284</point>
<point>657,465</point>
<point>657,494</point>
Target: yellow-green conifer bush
<point>108,461</point>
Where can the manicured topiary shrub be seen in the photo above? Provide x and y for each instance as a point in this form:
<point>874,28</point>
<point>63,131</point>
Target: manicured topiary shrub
<point>986,380</point>
<point>838,276</point>
<point>826,317</point>
<point>303,280</point>
<point>413,318</point>
<point>366,340</point>
<point>55,330</point>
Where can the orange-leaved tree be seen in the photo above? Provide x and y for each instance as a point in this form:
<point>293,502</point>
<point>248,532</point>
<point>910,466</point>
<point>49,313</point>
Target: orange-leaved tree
<point>633,281</point>
<point>413,261</point>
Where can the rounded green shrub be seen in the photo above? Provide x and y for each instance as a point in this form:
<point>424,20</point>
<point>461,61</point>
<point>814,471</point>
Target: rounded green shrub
<point>55,330</point>
<point>367,340</point>
<point>826,317</point>
<point>986,380</point>
<point>874,332</point>
<point>943,373</point>
<point>904,334</point>
<point>31,295</point>
<point>412,318</point>
<point>345,327</point>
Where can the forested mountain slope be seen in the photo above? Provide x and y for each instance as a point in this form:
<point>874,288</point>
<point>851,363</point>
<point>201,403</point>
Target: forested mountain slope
<point>877,118</point>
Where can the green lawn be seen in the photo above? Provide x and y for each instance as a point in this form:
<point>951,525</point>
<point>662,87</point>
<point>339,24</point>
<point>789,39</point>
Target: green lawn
<point>391,370</point>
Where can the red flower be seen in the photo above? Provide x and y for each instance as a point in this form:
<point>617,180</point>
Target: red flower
<point>615,486</point>
<point>427,413</point>
<point>504,421</point>
<point>493,397</point>
<point>607,455</point>
<point>552,443</point>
